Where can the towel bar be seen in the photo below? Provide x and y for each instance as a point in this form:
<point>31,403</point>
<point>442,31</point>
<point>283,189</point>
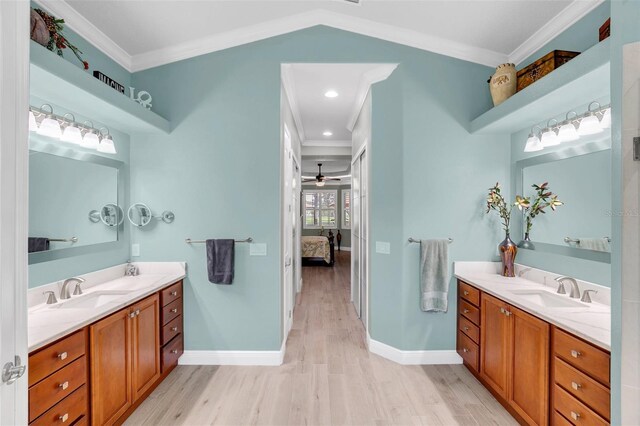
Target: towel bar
<point>577,240</point>
<point>190,241</point>
<point>65,240</point>
<point>412,240</point>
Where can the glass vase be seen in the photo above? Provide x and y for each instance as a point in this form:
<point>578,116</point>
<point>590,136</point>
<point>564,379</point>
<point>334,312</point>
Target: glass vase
<point>508,251</point>
<point>526,243</point>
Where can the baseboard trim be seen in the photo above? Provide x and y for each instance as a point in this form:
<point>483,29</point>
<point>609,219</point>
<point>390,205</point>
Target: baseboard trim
<point>344,249</point>
<point>413,357</point>
<point>272,358</point>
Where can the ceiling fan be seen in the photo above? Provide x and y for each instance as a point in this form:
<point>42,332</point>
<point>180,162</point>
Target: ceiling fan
<point>320,179</point>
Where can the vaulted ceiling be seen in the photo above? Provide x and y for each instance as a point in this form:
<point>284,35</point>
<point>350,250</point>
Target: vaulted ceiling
<point>147,33</point>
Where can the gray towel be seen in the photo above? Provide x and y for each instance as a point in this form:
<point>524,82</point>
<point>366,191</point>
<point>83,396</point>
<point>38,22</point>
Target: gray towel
<point>220,254</point>
<point>36,244</point>
<point>434,275</point>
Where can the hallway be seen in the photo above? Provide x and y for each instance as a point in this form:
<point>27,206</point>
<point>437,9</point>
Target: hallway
<point>328,377</point>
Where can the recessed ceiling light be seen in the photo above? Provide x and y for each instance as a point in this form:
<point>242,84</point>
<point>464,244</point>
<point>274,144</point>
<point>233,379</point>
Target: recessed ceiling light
<point>331,94</point>
<point>327,133</point>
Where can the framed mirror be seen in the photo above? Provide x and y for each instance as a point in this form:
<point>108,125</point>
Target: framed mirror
<point>73,201</point>
<point>581,177</point>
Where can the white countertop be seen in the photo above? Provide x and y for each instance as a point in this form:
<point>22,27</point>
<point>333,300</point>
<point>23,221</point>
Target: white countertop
<point>590,321</point>
<point>48,323</point>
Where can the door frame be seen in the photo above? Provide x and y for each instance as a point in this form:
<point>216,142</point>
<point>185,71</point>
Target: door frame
<point>364,302</point>
<point>14,185</point>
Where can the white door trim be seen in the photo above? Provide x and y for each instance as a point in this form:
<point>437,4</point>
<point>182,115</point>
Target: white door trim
<point>14,193</point>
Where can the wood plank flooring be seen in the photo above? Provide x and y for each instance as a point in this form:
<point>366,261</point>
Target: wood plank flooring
<point>328,378</point>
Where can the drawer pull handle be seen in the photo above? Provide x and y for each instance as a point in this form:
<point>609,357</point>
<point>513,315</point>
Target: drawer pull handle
<point>174,310</point>
<point>63,418</point>
<point>574,415</point>
<point>64,385</point>
<point>174,293</point>
<point>63,355</point>
<point>465,311</point>
<point>174,328</point>
<point>575,353</point>
<point>466,293</point>
<point>174,351</point>
<point>466,328</point>
<point>575,385</point>
<point>132,314</point>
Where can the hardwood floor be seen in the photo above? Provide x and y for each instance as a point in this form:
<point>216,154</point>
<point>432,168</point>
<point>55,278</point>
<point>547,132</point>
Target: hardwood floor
<point>328,378</point>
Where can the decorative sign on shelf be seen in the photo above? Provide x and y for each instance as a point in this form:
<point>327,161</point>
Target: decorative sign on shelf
<point>109,82</point>
<point>143,98</point>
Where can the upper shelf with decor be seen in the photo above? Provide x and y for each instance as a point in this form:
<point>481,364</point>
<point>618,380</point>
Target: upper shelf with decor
<point>56,80</point>
<point>578,82</point>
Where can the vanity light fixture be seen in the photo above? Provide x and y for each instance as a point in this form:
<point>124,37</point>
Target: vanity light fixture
<point>567,131</point>
<point>533,141</point>
<point>33,124</point>
<point>49,125</point>
<point>71,133</point>
<point>590,123</point>
<point>331,94</point>
<point>327,133</point>
<point>106,143</point>
<point>605,121</point>
<point>90,139</point>
<point>549,136</point>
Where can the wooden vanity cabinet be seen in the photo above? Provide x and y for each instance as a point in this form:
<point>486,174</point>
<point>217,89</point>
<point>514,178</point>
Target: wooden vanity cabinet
<point>172,340</point>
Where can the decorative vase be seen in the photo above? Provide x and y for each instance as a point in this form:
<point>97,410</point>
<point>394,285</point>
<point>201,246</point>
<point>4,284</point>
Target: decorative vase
<point>508,251</point>
<point>39,30</point>
<point>503,83</point>
<point>526,243</point>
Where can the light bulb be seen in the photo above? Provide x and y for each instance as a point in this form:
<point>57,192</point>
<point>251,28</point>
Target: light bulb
<point>568,132</point>
<point>33,124</point>
<point>72,134</point>
<point>327,133</point>
<point>605,121</point>
<point>331,94</point>
<point>589,125</point>
<point>50,127</point>
<point>107,146</point>
<point>90,140</point>
<point>533,143</point>
<point>549,138</point>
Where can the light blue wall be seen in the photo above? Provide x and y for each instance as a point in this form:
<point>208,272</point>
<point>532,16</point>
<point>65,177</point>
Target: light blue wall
<point>219,172</point>
<point>577,38</point>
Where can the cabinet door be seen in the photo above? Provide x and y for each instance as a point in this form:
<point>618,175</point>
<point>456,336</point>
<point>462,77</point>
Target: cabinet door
<point>146,345</point>
<point>110,361</point>
<point>495,347</point>
<point>530,369</point>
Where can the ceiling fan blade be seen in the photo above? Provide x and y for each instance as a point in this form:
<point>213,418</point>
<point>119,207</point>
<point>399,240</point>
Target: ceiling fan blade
<point>308,180</point>
<point>331,179</point>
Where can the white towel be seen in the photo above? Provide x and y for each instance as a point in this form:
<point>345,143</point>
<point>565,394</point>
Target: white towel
<point>434,275</point>
<point>597,244</point>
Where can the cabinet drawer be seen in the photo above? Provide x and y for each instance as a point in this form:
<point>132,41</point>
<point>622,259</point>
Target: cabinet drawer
<point>575,411</point>
<point>559,420</point>
<point>171,352</point>
<point>170,294</point>
<point>171,311</point>
<point>470,329</point>
<point>469,311</point>
<point>468,350</point>
<point>66,411</point>
<point>82,421</point>
<point>171,330</point>
<point>57,386</point>
<point>56,356</point>
<point>471,294</point>
<point>587,390</point>
<point>591,360</point>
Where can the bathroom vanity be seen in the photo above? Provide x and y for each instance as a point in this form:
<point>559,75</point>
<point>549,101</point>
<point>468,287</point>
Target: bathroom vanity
<point>93,358</point>
<point>544,356</point>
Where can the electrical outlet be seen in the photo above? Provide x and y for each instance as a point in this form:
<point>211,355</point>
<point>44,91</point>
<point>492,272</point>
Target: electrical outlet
<point>383,247</point>
<point>257,249</point>
<point>135,250</point>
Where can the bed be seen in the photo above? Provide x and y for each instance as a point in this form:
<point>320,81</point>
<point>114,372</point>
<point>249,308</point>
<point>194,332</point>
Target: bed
<point>317,248</point>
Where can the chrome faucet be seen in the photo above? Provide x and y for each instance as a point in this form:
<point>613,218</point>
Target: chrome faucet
<point>586,297</point>
<point>575,290</point>
<point>51,297</point>
<point>64,292</point>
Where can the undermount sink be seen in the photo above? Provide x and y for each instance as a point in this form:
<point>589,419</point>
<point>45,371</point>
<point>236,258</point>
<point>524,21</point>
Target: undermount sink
<point>91,300</point>
<point>547,299</point>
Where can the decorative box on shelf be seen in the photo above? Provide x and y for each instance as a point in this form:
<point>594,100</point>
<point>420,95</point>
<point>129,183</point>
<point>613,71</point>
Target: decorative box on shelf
<point>543,66</point>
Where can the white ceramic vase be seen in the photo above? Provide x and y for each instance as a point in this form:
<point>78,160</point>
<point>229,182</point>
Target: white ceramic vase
<point>503,83</point>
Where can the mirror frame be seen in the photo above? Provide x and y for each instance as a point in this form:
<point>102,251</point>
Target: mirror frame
<point>562,154</point>
<point>38,145</point>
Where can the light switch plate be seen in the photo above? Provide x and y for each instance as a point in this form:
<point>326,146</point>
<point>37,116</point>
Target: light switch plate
<point>383,247</point>
<point>135,250</point>
<point>257,249</point>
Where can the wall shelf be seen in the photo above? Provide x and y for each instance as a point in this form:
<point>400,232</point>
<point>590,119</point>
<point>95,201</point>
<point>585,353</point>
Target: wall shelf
<point>579,81</point>
<point>60,82</point>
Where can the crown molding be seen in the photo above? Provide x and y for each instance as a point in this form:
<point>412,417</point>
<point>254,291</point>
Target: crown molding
<point>566,18</point>
<point>327,143</point>
<point>309,19</point>
<point>85,29</point>
<point>369,78</point>
<point>289,86</point>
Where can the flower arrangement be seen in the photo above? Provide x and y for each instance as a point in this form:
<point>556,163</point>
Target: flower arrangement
<point>544,198</point>
<point>57,41</point>
<point>496,202</point>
